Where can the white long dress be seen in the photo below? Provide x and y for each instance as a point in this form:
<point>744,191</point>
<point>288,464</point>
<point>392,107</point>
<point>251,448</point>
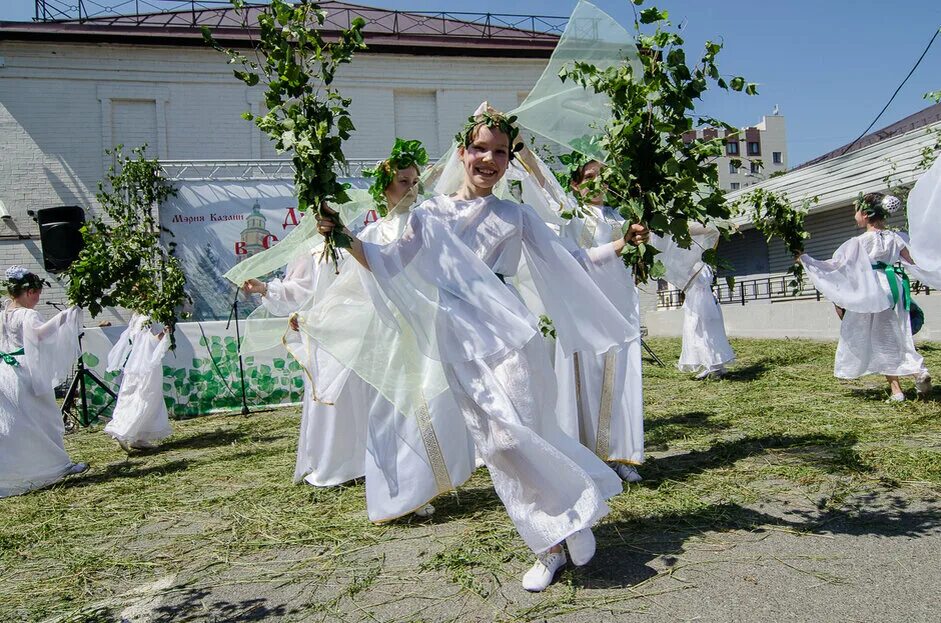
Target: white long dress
<point>606,390</point>
<point>32,452</point>
<point>409,460</point>
<point>140,415</point>
<point>331,446</point>
<point>446,278</point>
<point>705,344</point>
<point>875,334</point>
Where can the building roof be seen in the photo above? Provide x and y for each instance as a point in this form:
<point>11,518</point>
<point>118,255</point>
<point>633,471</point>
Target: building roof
<point>920,119</point>
<point>836,180</point>
<point>386,31</point>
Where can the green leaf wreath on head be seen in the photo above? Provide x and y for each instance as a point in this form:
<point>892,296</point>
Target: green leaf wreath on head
<point>573,162</point>
<point>404,154</point>
<point>491,119</point>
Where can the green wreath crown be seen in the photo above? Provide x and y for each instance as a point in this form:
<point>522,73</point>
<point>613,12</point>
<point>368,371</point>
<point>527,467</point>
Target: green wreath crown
<point>19,277</point>
<point>574,161</point>
<point>404,154</point>
<point>491,119</point>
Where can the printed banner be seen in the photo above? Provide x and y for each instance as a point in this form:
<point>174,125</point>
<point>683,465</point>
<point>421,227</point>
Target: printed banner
<point>202,374</point>
<point>217,224</point>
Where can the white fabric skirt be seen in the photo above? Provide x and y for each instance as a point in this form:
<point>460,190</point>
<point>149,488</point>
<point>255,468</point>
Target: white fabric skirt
<point>402,475</point>
<point>582,397</point>
<point>331,448</point>
<point>705,344</point>
<point>551,485</point>
<point>879,343</point>
<point>140,415</point>
<point>32,452</point>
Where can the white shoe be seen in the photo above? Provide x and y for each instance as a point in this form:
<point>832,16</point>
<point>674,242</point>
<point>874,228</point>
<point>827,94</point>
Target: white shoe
<point>425,511</point>
<point>628,473</point>
<point>581,546</point>
<point>540,576</point>
<point>76,468</point>
<point>896,398</point>
<point>718,373</point>
<point>124,445</point>
<point>923,384</point>
<point>143,445</point>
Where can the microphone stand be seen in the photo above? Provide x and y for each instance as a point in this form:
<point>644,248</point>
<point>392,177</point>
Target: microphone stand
<point>78,389</point>
<point>234,313</point>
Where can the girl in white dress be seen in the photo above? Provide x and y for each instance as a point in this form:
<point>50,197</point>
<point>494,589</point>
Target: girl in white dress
<point>347,429</point>
<point>140,418</point>
<point>36,356</point>
<point>446,277</point>
<point>706,349</point>
<point>863,280</point>
<point>607,389</point>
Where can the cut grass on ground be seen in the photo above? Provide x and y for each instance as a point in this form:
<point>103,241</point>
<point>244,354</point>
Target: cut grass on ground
<point>213,512</point>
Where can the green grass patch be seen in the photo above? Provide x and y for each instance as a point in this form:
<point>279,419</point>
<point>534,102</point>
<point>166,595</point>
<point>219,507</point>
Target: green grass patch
<point>214,507</point>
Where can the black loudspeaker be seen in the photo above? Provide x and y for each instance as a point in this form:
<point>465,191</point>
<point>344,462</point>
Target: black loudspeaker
<point>60,235</point>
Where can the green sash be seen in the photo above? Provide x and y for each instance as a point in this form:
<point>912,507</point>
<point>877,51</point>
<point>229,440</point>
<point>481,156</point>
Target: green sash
<point>891,272</point>
<point>10,358</point>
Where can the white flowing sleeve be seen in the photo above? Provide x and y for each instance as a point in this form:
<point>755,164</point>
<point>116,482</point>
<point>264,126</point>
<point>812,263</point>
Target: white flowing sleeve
<point>924,222</point>
<point>585,319</point>
<point>848,279</point>
<point>119,353</point>
<point>286,296</point>
<point>682,265</point>
<point>915,272</point>
<point>457,307</point>
<point>51,348</point>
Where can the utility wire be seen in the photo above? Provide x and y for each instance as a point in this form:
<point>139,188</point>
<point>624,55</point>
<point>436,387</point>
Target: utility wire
<point>889,103</point>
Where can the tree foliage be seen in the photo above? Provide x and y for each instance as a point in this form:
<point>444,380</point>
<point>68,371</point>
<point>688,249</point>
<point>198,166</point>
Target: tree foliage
<point>775,216</point>
<point>123,263</point>
<point>306,114</point>
<point>654,176</point>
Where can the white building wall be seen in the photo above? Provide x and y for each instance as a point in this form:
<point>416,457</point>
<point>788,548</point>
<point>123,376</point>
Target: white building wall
<point>61,105</point>
<point>773,138</point>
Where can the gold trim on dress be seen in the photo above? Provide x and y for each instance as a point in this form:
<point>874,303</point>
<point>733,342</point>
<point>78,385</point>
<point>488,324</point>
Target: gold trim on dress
<point>603,436</point>
<point>439,466</point>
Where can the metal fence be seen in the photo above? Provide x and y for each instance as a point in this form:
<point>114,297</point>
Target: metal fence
<point>339,16</point>
<point>771,288</point>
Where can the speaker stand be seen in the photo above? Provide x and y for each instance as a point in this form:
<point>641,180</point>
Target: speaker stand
<point>77,389</point>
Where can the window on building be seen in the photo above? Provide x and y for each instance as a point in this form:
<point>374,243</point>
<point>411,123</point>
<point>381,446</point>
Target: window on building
<point>736,185</point>
<point>754,149</point>
<point>755,167</point>
<point>732,148</point>
<point>776,157</point>
<point>733,169</point>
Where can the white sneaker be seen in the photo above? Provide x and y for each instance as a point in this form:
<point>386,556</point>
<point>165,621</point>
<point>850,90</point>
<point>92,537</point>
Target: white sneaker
<point>718,373</point>
<point>76,468</point>
<point>896,398</point>
<point>923,384</point>
<point>540,576</point>
<point>425,511</point>
<point>143,445</point>
<point>628,473</point>
<point>581,546</point>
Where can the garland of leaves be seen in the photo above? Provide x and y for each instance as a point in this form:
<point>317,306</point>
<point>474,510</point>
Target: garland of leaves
<point>491,119</point>
<point>306,114</point>
<point>652,175</point>
<point>404,154</point>
<point>123,263</point>
<point>775,216</point>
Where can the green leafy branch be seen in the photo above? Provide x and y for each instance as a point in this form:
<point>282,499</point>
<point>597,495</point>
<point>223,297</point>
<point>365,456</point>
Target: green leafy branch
<point>306,114</point>
<point>775,216</point>
<point>123,263</point>
<point>654,176</point>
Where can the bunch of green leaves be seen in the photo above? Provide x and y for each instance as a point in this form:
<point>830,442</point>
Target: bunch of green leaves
<point>404,154</point>
<point>123,263</point>
<point>652,175</point>
<point>306,114</point>
<point>775,216</point>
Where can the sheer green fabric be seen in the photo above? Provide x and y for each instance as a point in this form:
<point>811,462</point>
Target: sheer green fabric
<point>564,112</point>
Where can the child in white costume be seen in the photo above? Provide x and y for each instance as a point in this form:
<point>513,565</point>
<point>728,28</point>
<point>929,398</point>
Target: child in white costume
<point>862,280</point>
<point>348,428</point>
<point>446,277</point>
<point>140,417</point>
<point>36,357</point>
<point>605,389</point>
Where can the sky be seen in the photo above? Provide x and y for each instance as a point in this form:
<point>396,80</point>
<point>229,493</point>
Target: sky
<point>829,65</point>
